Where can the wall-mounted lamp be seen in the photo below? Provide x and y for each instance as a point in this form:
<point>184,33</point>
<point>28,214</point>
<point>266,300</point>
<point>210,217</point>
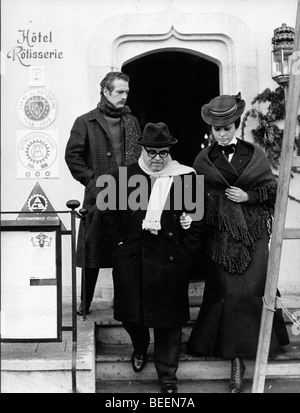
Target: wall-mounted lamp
<point>283,42</point>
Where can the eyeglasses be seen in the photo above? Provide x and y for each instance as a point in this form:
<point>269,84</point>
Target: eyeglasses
<point>152,153</point>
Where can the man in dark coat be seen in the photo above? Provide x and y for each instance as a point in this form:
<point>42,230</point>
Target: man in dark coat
<point>100,141</point>
<point>153,247</point>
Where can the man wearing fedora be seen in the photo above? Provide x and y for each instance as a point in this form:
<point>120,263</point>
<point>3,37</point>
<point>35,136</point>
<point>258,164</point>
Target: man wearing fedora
<point>153,247</point>
<point>240,192</point>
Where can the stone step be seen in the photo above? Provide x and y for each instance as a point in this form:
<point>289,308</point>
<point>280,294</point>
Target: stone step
<point>273,385</point>
<point>116,334</point>
<point>113,363</point>
<point>110,331</point>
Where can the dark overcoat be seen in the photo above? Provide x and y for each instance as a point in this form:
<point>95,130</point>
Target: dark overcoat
<point>150,272</point>
<point>228,323</point>
<point>89,154</point>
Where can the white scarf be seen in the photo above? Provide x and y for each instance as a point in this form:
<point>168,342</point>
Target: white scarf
<point>160,191</point>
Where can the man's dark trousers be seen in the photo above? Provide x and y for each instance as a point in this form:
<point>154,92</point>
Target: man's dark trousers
<point>167,346</point>
<point>91,275</point>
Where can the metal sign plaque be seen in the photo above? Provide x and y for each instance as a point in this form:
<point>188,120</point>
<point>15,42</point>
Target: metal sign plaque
<point>37,108</point>
<point>37,154</point>
<point>36,76</point>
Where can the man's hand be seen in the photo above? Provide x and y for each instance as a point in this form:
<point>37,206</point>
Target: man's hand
<point>185,221</point>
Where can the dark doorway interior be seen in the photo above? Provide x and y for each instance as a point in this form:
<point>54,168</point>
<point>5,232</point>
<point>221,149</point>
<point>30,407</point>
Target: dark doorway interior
<point>171,87</point>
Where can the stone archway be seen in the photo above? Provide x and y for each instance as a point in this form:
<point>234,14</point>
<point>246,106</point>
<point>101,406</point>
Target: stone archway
<point>221,38</point>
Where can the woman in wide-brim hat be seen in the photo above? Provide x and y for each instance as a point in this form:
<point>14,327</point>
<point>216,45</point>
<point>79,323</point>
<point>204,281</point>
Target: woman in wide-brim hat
<point>240,192</point>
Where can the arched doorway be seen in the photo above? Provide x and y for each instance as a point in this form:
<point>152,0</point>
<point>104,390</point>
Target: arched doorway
<point>171,87</point>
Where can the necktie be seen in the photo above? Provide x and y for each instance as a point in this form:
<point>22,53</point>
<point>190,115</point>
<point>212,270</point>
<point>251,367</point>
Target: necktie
<point>227,149</point>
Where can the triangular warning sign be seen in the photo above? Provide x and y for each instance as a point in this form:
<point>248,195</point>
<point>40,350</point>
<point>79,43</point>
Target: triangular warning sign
<point>39,208</point>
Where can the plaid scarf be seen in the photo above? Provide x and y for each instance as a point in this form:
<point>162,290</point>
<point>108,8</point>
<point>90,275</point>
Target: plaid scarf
<point>132,150</point>
<point>233,228</point>
<point>110,110</point>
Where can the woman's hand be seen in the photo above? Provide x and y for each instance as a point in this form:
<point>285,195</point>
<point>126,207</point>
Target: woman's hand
<point>185,221</point>
<point>235,194</point>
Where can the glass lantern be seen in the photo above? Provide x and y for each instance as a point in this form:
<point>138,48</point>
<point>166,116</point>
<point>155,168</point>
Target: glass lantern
<point>283,42</point>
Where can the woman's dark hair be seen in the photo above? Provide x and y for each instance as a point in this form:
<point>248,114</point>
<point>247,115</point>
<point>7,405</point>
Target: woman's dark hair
<point>107,82</point>
<point>237,123</point>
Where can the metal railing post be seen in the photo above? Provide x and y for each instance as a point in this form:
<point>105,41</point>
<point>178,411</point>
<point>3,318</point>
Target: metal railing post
<point>83,213</point>
<point>73,204</point>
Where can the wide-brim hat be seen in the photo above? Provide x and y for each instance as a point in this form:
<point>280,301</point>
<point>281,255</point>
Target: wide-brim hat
<point>223,110</point>
<point>156,135</point>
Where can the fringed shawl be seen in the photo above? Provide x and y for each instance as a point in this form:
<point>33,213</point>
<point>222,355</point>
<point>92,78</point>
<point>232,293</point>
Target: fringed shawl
<point>235,227</point>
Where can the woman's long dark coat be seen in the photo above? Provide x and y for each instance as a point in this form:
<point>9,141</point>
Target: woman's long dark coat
<point>89,154</point>
<point>150,272</point>
<point>229,319</point>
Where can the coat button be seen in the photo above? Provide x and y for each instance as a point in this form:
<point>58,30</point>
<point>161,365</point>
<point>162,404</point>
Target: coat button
<point>171,258</point>
<point>170,234</point>
<point>108,154</point>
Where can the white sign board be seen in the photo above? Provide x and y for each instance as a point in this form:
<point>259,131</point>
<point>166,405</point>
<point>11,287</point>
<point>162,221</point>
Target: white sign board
<point>29,294</point>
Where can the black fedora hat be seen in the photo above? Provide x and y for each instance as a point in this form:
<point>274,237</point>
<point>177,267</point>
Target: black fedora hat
<point>223,110</point>
<point>156,135</point>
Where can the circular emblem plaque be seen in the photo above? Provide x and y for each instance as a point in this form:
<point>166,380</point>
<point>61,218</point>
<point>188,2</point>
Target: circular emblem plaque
<point>37,203</point>
<point>37,151</point>
<point>37,108</point>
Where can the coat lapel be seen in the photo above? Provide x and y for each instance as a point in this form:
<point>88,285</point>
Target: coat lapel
<point>96,115</point>
<point>241,157</point>
<point>222,164</point>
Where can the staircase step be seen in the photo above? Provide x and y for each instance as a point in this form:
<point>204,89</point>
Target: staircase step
<point>123,352</point>
<point>110,331</point>
<point>105,316</point>
<point>195,386</point>
<point>113,362</point>
<point>116,334</point>
<point>114,350</point>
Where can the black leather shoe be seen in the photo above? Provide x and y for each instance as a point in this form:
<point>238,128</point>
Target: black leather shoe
<point>138,361</point>
<point>237,374</point>
<point>169,388</point>
<point>80,309</point>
